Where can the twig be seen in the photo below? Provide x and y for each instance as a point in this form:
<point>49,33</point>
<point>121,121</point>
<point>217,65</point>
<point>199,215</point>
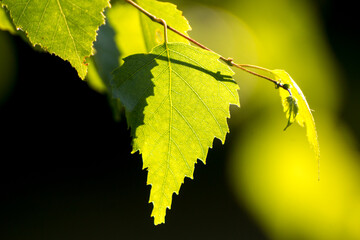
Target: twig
<point>229,61</point>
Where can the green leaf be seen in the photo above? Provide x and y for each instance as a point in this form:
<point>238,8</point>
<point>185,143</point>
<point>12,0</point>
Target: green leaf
<point>177,101</point>
<point>143,34</point>
<point>118,39</point>
<point>107,56</point>
<point>104,61</point>
<point>63,27</point>
<point>154,32</point>
<point>300,110</point>
<point>5,22</point>
<point>128,37</point>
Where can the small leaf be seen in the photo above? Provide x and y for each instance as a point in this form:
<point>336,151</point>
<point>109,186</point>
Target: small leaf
<point>65,28</point>
<point>177,101</point>
<point>299,104</point>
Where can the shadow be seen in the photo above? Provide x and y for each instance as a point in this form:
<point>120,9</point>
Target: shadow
<point>106,59</point>
<point>218,76</point>
<point>107,54</point>
<point>132,84</point>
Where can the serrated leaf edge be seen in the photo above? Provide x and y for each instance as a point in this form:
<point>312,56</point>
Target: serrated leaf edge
<point>82,61</point>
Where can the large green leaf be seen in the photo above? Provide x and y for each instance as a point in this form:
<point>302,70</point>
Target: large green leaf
<point>66,28</point>
<point>297,108</point>
<point>118,39</point>
<point>177,101</point>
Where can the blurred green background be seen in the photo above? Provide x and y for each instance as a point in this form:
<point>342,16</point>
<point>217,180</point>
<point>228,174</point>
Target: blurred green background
<point>66,168</point>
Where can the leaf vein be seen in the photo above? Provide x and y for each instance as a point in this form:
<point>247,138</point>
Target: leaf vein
<point>182,155</point>
<point>41,18</point>
<point>83,10</point>
<point>68,29</point>
<point>191,128</point>
<point>147,89</point>
<point>142,67</point>
<point>200,65</point>
<point>201,100</point>
<point>23,12</point>
<point>55,33</point>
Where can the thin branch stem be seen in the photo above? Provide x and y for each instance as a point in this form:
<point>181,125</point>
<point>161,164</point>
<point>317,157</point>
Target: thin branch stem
<point>254,66</point>
<point>229,61</point>
<point>163,22</point>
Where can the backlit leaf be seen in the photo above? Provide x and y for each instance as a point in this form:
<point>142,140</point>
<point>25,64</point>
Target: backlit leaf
<point>136,33</point>
<point>125,21</point>
<point>154,32</point>
<point>126,32</point>
<point>304,116</point>
<point>66,28</point>
<point>177,101</point>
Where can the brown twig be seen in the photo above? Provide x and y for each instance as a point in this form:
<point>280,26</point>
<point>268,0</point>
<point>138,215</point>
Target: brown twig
<point>229,61</point>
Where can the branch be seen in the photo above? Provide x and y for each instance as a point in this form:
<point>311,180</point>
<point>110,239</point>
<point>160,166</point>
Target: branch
<point>229,61</point>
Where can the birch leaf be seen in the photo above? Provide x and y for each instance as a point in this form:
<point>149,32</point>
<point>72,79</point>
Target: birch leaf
<point>177,101</point>
<point>66,28</point>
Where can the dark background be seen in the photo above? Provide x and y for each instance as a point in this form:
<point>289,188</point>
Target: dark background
<point>66,171</point>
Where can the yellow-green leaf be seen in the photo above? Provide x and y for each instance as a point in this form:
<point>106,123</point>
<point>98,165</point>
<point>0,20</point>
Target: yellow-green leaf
<point>5,22</point>
<point>154,32</point>
<point>124,19</point>
<point>143,34</point>
<point>177,101</point>
<point>66,28</point>
<point>298,101</point>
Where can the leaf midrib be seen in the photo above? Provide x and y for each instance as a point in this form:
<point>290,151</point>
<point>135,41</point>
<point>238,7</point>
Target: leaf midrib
<point>41,19</point>
<point>170,122</point>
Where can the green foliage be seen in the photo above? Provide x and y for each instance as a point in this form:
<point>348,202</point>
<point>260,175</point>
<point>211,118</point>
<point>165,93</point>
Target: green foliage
<point>143,34</point>
<point>67,29</point>
<point>129,38</point>
<point>177,100</point>
<point>176,96</point>
<point>118,39</point>
<point>153,33</point>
